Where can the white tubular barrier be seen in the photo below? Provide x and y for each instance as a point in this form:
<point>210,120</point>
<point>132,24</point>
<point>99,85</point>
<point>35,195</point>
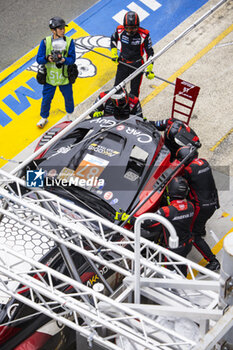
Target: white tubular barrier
<point>78,226</point>
<point>21,198</point>
<point>173,243</point>
<point>222,332</point>
<point>217,334</point>
<point>226,292</point>
<point>226,281</point>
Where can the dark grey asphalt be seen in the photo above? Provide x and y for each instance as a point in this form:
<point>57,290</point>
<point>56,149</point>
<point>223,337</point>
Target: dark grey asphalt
<point>24,23</point>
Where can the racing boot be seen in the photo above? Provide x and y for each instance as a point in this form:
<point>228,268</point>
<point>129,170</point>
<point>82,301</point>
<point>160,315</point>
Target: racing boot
<point>42,123</point>
<point>213,265</point>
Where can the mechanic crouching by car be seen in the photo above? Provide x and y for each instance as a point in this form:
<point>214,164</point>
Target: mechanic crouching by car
<point>55,63</point>
<point>177,134</point>
<point>132,42</point>
<point>204,196</point>
<point>179,211</point>
<point>121,105</point>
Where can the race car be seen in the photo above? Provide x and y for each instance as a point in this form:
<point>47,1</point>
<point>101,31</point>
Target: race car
<point>104,165</point>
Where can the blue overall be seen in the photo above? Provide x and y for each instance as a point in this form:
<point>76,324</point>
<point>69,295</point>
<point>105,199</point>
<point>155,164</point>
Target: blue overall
<point>48,89</point>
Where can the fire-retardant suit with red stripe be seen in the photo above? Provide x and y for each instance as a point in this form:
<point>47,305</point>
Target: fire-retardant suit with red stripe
<point>180,214</point>
<point>132,48</point>
<point>204,195</point>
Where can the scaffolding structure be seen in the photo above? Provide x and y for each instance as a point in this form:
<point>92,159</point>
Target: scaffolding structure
<point>46,220</point>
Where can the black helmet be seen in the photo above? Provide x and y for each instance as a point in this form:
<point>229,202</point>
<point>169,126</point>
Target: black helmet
<point>178,188</point>
<point>173,129</point>
<point>131,19</point>
<point>120,99</point>
<point>184,151</point>
<point>56,22</point>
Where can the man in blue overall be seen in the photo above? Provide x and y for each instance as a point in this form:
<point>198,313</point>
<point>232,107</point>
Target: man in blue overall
<point>56,53</point>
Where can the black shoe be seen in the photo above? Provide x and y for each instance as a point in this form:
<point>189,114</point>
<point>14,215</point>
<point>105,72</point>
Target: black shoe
<point>213,265</point>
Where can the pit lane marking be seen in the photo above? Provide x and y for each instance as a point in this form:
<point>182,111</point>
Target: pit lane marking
<point>216,249</point>
<point>221,140</point>
<point>187,65</point>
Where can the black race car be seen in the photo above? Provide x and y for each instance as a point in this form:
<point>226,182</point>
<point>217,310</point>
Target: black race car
<point>105,164</point>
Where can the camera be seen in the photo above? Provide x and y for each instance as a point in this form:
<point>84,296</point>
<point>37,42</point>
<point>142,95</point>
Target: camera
<point>59,45</point>
<point>56,55</point>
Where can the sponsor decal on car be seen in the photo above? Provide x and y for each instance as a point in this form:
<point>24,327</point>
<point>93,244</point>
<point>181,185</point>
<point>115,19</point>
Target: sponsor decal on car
<point>95,277</point>
<point>52,173</point>
<point>114,201</point>
<point>104,123</point>
<point>62,150</point>
<point>120,127</point>
<point>65,173</point>
<point>141,137</point>
<point>91,166</point>
<point>102,150</point>
<point>108,195</point>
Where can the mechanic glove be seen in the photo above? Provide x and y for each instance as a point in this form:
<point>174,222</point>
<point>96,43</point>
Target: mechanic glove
<point>149,74</point>
<point>153,123</point>
<point>167,196</point>
<point>161,125</point>
<point>98,114</point>
<point>121,216</point>
<point>114,55</point>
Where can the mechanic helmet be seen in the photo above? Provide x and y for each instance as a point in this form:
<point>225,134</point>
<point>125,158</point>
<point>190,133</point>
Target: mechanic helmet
<point>184,151</point>
<point>120,99</point>
<point>173,129</point>
<point>131,22</point>
<point>57,22</point>
<point>177,188</point>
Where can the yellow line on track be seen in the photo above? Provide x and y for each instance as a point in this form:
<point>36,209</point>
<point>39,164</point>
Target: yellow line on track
<point>221,140</point>
<point>225,214</point>
<point>216,249</point>
<point>188,65</point>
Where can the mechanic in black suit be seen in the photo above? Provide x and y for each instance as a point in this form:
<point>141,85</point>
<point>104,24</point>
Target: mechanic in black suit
<point>133,42</point>
<point>121,105</point>
<point>179,211</point>
<point>176,134</point>
<point>204,196</point>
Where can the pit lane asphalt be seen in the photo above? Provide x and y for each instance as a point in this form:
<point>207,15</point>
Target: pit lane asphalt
<point>24,23</point>
<point>191,59</point>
